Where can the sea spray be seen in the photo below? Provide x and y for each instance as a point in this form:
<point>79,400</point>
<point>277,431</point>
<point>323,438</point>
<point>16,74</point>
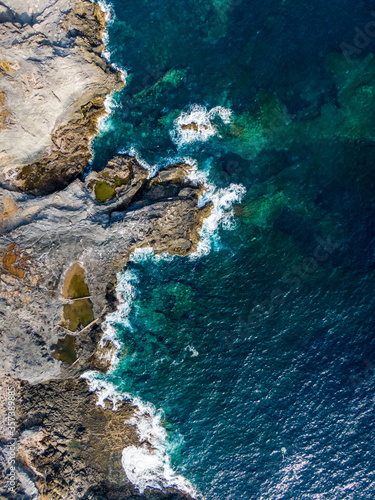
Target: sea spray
<point>125,290</point>
<point>197,124</point>
<point>110,104</point>
<point>108,55</point>
<point>131,151</point>
<point>104,122</point>
<point>221,215</point>
<point>148,465</point>
<point>222,199</point>
<point>107,8</point>
<point>164,162</point>
<point>127,281</point>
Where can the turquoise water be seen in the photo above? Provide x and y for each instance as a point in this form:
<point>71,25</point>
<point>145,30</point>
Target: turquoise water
<point>260,352</point>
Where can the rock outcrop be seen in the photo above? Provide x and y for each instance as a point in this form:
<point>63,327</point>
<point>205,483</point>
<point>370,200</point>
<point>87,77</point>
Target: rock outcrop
<point>68,447</point>
<point>49,242</point>
<point>53,84</point>
<point>76,444</point>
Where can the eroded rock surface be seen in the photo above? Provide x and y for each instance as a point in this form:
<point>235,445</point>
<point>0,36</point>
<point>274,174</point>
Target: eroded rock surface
<point>53,84</point>
<point>68,447</point>
<point>49,241</point>
<point>59,257</point>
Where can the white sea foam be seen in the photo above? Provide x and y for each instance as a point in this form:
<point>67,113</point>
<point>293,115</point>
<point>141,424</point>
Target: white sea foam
<point>104,122</point>
<point>105,391</point>
<point>200,123</point>
<point>147,254</point>
<point>107,54</point>
<point>108,10</point>
<point>221,215</point>
<point>193,352</point>
<point>110,15</point>
<point>153,169</point>
<point>134,153</point>
<point>123,72</point>
<point>222,199</point>
<point>148,465</point>
<point>126,282</point>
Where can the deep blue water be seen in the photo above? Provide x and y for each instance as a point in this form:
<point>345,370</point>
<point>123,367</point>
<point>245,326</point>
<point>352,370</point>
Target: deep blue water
<point>262,352</point>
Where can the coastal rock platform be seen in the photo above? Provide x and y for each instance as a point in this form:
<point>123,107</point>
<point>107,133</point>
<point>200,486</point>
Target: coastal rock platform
<point>63,240</point>
<point>53,84</point>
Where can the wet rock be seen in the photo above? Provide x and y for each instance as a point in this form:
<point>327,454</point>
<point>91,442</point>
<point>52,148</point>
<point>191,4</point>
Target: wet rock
<point>122,178</point>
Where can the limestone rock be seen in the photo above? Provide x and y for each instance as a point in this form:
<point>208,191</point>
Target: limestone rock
<point>53,83</point>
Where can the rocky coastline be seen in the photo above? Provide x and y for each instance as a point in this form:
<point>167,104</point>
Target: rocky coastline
<point>54,82</point>
<point>62,242</point>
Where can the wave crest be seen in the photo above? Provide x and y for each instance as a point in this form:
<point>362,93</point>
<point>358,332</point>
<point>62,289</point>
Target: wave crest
<point>148,465</point>
<point>197,124</point>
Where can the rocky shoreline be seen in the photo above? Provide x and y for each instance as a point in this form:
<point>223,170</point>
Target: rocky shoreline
<point>62,243</point>
<point>54,82</point>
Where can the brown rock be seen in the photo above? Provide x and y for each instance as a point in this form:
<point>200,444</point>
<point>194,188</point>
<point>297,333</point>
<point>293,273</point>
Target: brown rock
<point>55,81</point>
<point>122,178</point>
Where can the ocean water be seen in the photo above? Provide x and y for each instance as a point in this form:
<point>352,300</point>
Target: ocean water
<point>253,361</point>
